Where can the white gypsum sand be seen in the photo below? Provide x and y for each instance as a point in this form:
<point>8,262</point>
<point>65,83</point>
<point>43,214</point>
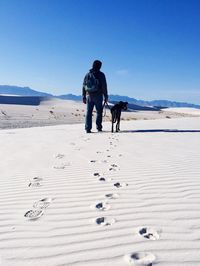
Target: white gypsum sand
<point>151,217</point>
<point>186,110</point>
<point>48,112</point>
<point>56,112</point>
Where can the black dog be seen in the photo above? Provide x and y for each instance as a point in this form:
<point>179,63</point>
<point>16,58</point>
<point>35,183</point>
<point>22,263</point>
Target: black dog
<point>116,114</point>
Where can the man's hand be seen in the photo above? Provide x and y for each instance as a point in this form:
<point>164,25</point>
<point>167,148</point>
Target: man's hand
<point>106,100</point>
<point>84,100</point>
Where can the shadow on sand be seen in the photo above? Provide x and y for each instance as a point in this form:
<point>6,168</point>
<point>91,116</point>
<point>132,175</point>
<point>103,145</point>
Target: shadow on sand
<point>162,130</point>
<point>21,100</point>
<point>151,131</point>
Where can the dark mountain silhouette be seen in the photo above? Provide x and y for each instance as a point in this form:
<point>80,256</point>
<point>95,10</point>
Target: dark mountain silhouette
<point>154,104</point>
<point>139,104</point>
<point>22,91</point>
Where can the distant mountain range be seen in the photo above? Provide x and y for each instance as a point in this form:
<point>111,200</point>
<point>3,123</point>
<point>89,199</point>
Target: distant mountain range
<point>26,91</point>
<point>22,91</point>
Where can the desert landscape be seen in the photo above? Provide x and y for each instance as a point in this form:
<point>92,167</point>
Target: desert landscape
<point>72,195</point>
<point>54,111</point>
<point>71,198</point>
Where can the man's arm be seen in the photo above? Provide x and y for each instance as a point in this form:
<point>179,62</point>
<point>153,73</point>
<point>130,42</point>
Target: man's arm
<point>83,90</point>
<point>104,87</point>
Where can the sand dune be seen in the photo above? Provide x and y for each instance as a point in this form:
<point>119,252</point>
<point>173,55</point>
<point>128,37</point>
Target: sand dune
<point>192,111</point>
<point>57,112</point>
<point>49,112</point>
<point>131,198</point>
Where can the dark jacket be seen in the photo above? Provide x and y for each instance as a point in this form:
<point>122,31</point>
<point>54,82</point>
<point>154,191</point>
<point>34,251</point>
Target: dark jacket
<point>102,81</point>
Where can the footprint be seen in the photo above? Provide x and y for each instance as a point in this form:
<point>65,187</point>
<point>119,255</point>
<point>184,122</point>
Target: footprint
<point>112,196</point>
<point>35,182</point>
<point>37,178</point>
<point>140,258</point>
<point>104,179</point>
<point>86,139</point>
<point>104,161</point>
<point>4,113</point>
<point>112,169</point>
<point>93,161</point>
<point>61,166</point>
<point>43,203</point>
<point>38,209</point>
<point>96,174</point>
<point>114,165</point>
<point>77,149</point>
<point>34,214</point>
<point>103,221</point>
<point>118,185</point>
<point>149,233</point>
<point>101,206</point>
<point>73,143</point>
<point>59,156</point>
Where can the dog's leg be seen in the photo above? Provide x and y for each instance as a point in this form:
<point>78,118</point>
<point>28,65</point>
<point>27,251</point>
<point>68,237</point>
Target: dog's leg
<point>118,124</point>
<point>112,122</point>
<point>114,118</point>
<point>118,120</point>
<point>117,128</point>
<point>117,115</point>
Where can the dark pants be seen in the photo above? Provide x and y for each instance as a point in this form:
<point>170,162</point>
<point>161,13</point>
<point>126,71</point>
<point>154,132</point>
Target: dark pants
<point>97,101</point>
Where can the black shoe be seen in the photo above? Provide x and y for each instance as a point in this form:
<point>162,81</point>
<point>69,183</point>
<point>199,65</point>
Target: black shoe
<point>88,131</point>
<point>99,130</point>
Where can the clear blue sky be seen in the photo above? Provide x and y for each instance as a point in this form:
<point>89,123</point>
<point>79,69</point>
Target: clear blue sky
<point>150,48</point>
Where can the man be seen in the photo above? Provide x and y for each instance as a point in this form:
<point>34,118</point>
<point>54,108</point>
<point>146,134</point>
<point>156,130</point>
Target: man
<point>94,90</point>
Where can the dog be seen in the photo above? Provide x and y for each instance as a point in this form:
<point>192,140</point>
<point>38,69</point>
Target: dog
<point>116,114</point>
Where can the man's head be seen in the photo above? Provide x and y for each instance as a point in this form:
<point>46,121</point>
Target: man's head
<point>96,65</point>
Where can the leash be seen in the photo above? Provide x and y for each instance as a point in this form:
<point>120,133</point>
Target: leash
<point>104,108</point>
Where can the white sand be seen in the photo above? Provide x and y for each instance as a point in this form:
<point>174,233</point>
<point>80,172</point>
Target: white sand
<point>184,110</point>
<point>51,112</point>
<point>153,214</point>
<point>57,112</point>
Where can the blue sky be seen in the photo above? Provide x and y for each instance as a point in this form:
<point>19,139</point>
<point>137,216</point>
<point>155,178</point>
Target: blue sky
<point>150,49</point>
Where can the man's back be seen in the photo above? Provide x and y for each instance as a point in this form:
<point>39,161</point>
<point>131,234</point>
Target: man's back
<point>102,88</point>
<point>93,91</point>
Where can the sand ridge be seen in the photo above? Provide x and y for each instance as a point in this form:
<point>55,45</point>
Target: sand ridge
<point>128,198</point>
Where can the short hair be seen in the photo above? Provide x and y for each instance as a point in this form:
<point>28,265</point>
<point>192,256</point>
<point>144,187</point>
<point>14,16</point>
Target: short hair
<point>97,65</point>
